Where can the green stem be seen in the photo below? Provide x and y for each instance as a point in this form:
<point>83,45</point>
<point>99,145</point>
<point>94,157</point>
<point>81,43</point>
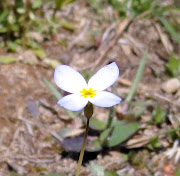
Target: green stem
<point>110,118</point>
<point>82,149</point>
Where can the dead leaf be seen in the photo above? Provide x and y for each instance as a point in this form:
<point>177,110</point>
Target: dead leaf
<point>138,141</point>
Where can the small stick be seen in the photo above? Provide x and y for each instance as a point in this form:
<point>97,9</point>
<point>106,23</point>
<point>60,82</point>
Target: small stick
<point>101,53</point>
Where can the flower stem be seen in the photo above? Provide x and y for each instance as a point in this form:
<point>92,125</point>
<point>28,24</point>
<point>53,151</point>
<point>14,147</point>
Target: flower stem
<point>110,118</point>
<point>82,149</point>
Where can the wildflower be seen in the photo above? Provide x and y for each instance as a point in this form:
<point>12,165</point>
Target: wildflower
<point>73,82</point>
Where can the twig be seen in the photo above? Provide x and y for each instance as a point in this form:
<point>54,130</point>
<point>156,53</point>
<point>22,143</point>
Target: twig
<point>106,33</point>
<point>100,54</point>
<point>163,98</point>
<point>35,160</point>
<point>79,37</point>
<point>163,38</point>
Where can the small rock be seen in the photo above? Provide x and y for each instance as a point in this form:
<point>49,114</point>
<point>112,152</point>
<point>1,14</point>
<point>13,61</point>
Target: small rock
<point>32,107</point>
<point>171,86</point>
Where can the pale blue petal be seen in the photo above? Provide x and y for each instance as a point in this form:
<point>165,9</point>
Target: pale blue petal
<point>104,78</point>
<point>73,102</point>
<point>105,99</point>
<point>69,79</point>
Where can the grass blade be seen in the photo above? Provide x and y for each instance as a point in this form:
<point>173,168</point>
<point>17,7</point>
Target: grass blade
<point>53,90</point>
<point>170,29</point>
<point>58,95</point>
<point>137,77</point>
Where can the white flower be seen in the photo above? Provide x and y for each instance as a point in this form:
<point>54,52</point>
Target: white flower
<point>73,82</point>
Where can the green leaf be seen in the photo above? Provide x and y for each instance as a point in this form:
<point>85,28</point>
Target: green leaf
<point>67,25</point>
<point>153,143</point>
<point>51,62</point>
<point>158,115</point>
<point>36,4</point>
<point>97,124</point>
<point>7,59</point>
<point>3,15</point>
<point>173,66</point>
<point>100,125</point>
<point>94,146</point>
<point>3,29</point>
<point>122,132</point>
<point>135,8</point>
<point>111,173</point>
<point>177,172</point>
<point>39,53</point>
<point>96,169</point>
<point>59,4</point>
<point>104,135</point>
<point>18,3</point>
<point>12,46</point>
<point>13,174</point>
<point>118,122</point>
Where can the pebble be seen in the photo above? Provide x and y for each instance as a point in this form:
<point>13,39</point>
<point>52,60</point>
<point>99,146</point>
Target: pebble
<point>171,86</point>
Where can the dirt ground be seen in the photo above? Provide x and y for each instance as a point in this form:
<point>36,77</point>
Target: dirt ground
<point>30,118</point>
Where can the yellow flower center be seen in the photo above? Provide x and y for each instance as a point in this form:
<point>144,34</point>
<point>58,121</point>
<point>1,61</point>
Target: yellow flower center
<point>85,93</point>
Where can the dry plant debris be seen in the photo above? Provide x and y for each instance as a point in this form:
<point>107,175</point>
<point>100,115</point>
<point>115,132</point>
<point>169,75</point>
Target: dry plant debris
<point>30,120</point>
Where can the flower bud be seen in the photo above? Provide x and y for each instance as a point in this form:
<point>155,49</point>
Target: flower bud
<point>88,110</point>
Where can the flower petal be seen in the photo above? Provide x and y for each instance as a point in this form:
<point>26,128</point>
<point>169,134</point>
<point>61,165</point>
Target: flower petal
<point>69,79</point>
<point>104,78</point>
<point>73,102</point>
<point>105,99</point>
